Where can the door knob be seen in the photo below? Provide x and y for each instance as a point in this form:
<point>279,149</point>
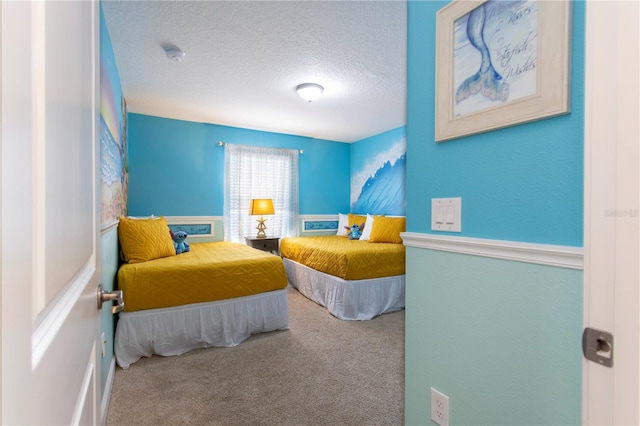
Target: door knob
<point>106,296</point>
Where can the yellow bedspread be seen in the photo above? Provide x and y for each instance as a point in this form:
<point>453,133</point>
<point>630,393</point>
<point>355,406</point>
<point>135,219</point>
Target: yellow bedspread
<point>345,258</point>
<point>210,271</point>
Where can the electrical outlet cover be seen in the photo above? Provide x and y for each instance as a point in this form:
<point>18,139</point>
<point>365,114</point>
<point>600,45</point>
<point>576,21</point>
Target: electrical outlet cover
<point>439,408</point>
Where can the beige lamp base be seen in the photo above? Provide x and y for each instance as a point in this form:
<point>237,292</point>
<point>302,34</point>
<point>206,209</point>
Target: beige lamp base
<point>261,228</point>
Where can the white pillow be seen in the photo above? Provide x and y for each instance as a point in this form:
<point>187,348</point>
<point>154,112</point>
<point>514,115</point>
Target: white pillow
<point>368,226</point>
<point>343,220</point>
<point>143,217</point>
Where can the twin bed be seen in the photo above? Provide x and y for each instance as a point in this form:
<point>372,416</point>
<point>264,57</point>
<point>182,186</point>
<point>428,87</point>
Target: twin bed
<point>218,294</point>
<point>353,279</point>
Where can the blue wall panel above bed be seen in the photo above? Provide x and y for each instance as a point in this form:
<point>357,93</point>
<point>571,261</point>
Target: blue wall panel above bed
<point>173,167</point>
<point>177,167</point>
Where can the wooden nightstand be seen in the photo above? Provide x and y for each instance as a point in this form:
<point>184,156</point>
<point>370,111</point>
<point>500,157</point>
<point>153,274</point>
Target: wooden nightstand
<point>264,244</point>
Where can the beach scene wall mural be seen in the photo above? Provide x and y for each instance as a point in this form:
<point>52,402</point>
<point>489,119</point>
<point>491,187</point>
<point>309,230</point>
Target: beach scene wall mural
<point>113,141</point>
<point>378,173</point>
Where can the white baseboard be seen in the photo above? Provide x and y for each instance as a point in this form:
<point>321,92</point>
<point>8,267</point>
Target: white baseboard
<point>541,254</point>
<point>107,392</point>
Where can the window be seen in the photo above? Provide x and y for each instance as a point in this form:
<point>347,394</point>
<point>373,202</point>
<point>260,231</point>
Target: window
<point>256,172</point>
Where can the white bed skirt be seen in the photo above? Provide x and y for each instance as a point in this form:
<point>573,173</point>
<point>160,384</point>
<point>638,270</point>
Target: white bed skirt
<point>347,300</point>
<point>176,330</point>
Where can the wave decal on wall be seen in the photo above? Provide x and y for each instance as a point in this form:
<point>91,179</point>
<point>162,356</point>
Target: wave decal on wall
<point>384,192</point>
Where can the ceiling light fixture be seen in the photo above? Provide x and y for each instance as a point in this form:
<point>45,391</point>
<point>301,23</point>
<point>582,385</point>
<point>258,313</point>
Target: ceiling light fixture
<point>174,54</point>
<point>309,91</point>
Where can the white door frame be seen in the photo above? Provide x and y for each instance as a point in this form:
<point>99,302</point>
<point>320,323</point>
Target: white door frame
<point>611,193</point>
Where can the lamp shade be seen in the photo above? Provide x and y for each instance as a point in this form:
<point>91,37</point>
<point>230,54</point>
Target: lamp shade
<point>260,206</point>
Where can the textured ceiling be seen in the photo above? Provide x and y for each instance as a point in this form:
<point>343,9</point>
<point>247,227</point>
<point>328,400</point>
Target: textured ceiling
<point>245,58</point>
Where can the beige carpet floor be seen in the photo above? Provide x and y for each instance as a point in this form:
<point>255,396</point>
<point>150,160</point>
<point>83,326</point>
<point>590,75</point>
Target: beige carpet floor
<point>323,371</point>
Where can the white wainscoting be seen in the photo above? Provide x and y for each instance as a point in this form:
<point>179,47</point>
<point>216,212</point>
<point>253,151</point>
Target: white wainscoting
<point>542,254</point>
<point>108,227</point>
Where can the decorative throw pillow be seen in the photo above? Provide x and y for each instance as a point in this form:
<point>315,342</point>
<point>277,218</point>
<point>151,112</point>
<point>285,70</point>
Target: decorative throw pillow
<point>356,218</point>
<point>368,227</point>
<point>388,229</point>
<point>145,239</point>
<point>343,220</point>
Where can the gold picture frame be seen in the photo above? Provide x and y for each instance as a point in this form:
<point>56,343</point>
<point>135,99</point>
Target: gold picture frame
<point>499,64</point>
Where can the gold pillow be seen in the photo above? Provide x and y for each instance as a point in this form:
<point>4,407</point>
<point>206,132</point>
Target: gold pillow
<point>356,219</point>
<point>145,239</point>
<point>388,229</point>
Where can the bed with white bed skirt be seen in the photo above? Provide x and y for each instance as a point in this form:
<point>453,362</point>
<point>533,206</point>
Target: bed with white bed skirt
<point>354,280</point>
<point>179,329</point>
<point>217,294</point>
<point>348,299</point>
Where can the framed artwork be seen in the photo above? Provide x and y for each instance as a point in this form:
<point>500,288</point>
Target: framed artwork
<point>500,63</point>
<point>194,226</point>
<point>319,225</point>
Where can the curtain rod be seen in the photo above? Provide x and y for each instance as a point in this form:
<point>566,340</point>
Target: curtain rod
<point>220,143</point>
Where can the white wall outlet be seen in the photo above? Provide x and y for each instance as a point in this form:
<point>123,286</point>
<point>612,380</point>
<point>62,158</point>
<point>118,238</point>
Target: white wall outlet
<point>439,408</point>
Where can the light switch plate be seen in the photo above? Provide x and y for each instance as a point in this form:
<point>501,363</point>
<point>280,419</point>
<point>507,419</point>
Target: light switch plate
<point>446,214</point>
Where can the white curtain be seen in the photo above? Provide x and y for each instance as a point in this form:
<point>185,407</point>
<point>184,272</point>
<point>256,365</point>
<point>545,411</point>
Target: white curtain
<point>256,172</point>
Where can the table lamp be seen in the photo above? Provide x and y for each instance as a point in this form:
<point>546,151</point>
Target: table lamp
<point>261,206</point>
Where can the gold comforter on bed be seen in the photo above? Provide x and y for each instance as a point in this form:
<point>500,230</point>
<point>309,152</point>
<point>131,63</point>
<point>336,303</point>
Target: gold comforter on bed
<point>210,271</point>
<point>345,258</point>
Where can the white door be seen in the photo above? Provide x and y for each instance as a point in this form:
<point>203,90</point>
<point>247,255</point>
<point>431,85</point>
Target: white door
<point>50,321</point>
<point>612,189</point>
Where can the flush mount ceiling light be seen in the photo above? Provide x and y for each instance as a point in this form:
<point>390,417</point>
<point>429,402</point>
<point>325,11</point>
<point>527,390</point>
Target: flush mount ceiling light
<point>174,54</point>
<point>309,91</point>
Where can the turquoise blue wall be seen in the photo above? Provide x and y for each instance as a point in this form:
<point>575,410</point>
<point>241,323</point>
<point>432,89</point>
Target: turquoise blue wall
<point>522,183</point>
<point>500,338</point>
<point>176,168</point>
